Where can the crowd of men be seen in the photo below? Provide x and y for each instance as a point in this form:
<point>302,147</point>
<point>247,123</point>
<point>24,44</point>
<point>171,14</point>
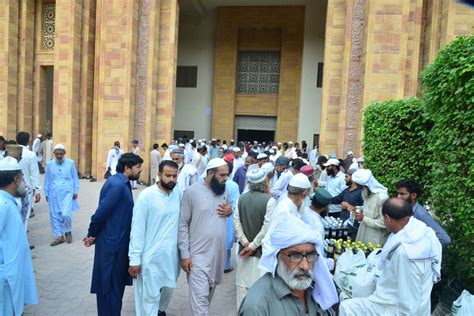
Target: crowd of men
<point>267,199</point>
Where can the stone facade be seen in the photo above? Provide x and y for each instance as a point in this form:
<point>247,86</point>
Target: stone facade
<point>115,67</point>
<point>374,51</point>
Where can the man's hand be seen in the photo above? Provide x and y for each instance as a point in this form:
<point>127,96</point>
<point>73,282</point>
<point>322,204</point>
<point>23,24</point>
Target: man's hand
<point>37,197</point>
<point>74,197</point>
<point>88,241</point>
<point>347,206</point>
<point>246,252</point>
<point>359,216</point>
<point>134,271</point>
<point>186,264</point>
<point>224,210</point>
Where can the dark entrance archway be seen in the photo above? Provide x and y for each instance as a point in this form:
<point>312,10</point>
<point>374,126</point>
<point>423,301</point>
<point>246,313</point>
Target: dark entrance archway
<point>254,134</point>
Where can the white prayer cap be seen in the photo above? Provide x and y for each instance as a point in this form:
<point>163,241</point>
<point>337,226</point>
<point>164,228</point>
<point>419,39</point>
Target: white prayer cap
<point>236,149</point>
<point>255,142</point>
<point>39,136</point>
<point>191,141</point>
<point>287,230</point>
<point>275,147</point>
<point>271,151</point>
<point>360,159</point>
<point>300,181</point>
<point>215,163</point>
<point>261,156</point>
<point>290,143</point>
<point>366,178</point>
<point>181,145</point>
<point>279,143</point>
<point>214,140</point>
<point>256,175</point>
<point>332,162</point>
<point>349,153</point>
<point>267,167</point>
<point>59,146</point>
<point>9,164</point>
<point>231,140</point>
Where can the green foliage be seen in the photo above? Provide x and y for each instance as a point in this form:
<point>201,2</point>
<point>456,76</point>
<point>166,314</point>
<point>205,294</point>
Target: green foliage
<point>448,93</point>
<point>395,135</point>
<point>431,140</point>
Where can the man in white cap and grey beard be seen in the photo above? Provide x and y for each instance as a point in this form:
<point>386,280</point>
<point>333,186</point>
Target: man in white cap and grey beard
<point>17,280</point>
<point>202,235</point>
<point>297,279</point>
<point>61,185</point>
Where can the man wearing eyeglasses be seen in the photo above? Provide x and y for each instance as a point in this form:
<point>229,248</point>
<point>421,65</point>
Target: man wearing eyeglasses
<point>297,279</point>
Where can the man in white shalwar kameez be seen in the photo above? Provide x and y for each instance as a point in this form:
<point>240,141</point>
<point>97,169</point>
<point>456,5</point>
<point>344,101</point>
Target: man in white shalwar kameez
<point>113,157</point>
<point>410,263</point>
<point>155,160</point>
<point>153,251</point>
<point>372,228</point>
<point>202,235</point>
<point>61,186</point>
<point>47,150</point>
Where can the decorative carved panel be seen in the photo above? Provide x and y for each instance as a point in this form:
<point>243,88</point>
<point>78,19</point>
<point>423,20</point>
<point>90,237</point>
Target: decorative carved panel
<point>49,25</point>
<point>258,72</point>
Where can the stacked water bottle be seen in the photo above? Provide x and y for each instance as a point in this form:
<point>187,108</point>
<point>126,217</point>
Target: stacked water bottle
<point>335,228</point>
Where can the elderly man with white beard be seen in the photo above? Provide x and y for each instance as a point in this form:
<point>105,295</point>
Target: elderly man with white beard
<point>297,279</point>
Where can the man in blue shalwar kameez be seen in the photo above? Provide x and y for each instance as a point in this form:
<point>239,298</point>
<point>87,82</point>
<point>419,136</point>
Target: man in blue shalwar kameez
<point>17,281</point>
<point>61,185</point>
<point>153,251</point>
<point>109,230</point>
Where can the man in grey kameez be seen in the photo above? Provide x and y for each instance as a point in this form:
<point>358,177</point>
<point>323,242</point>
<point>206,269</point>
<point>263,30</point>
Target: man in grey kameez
<point>202,235</point>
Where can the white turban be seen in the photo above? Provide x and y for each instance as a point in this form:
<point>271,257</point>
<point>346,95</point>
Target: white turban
<point>287,230</point>
<point>365,177</point>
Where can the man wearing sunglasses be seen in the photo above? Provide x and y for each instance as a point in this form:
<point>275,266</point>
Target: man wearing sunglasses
<point>297,279</point>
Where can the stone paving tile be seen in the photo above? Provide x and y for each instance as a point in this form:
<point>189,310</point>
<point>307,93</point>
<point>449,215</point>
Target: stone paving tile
<point>63,273</point>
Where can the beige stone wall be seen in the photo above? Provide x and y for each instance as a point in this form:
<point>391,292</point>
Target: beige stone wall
<point>278,28</point>
<point>8,67</point>
<point>374,51</point>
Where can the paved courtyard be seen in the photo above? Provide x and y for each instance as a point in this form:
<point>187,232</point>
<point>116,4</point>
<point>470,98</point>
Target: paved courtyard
<point>63,273</point>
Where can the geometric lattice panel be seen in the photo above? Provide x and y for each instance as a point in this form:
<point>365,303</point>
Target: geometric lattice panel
<point>258,72</point>
<point>49,25</point>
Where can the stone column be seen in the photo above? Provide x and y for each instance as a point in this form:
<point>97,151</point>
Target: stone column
<point>67,75</point>
<point>25,67</point>
<point>147,79</point>
<point>167,62</point>
<point>8,67</point>
<point>114,78</point>
<point>87,87</point>
<point>332,77</point>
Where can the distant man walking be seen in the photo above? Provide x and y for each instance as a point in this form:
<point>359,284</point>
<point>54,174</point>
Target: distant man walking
<point>155,160</point>
<point>109,230</point>
<point>153,252</point>
<point>61,185</point>
<point>202,235</point>
<point>113,157</point>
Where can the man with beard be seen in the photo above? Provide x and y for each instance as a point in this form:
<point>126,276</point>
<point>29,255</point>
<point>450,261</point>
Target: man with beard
<point>350,197</point>
<point>202,235</point>
<point>61,185</point>
<point>187,173</point>
<point>109,230</point>
<point>297,279</point>
<point>153,250</point>
<point>280,189</point>
<point>410,191</point>
<point>372,227</point>
<point>17,281</point>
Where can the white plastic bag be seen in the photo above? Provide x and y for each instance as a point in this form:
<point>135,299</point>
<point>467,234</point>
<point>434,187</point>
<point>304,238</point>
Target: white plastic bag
<point>464,305</point>
<point>354,275</point>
